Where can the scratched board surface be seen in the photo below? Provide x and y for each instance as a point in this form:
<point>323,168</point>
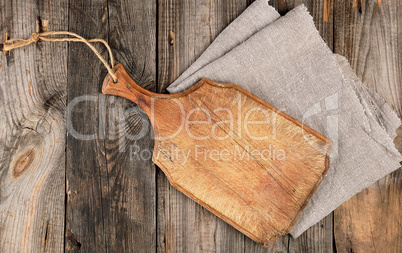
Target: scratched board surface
<point>84,181</point>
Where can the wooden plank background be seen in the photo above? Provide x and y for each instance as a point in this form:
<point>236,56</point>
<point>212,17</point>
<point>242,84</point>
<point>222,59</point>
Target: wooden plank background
<point>59,193</point>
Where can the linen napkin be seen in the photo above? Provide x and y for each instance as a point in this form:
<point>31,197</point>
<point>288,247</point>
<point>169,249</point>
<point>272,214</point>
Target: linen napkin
<point>284,61</point>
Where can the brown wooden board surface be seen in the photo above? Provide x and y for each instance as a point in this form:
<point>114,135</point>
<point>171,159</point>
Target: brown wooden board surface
<point>125,207</point>
<point>256,177</point>
<point>191,228</point>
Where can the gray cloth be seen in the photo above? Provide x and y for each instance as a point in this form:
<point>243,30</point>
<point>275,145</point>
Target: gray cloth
<point>284,61</point>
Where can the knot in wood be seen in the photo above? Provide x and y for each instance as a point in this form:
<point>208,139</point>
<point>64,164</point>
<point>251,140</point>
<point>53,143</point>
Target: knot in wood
<point>23,162</point>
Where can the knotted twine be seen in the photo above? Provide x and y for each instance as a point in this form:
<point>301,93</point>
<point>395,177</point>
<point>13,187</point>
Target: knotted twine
<point>366,152</point>
<point>11,44</point>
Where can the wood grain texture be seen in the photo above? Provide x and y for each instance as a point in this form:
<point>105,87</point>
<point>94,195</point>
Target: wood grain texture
<point>131,177</point>
<point>185,29</point>
<point>86,168</point>
<point>177,49</point>
<point>250,164</point>
<point>111,190</point>
<point>32,135</point>
<point>370,38</point>
<point>318,238</point>
<point>132,196</point>
<point>34,99</point>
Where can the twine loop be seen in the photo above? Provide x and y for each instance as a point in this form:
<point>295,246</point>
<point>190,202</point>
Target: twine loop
<point>11,44</point>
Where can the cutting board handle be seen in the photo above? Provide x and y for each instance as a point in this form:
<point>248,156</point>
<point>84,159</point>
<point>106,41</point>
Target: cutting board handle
<point>126,87</point>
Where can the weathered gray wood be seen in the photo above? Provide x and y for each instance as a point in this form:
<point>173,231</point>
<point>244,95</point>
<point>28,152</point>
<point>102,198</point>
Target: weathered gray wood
<point>111,194</point>
<point>186,29</point>
<point>32,132</point>
<point>111,190</point>
<point>279,246</point>
<point>128,139</point>
<point>370,39</point>
<point>86,171</point>
<point>318,238</point>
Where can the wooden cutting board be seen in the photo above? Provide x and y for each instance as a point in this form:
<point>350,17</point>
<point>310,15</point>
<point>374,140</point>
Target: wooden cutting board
<point>250,164</point>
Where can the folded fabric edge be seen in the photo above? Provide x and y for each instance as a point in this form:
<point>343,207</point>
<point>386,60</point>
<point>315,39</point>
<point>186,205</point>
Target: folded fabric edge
<point>298,10</point>
<point>259,11</point>
<point>297,231</point>
<point>303,224</point>
<point>363,187</point>
<point>378,107</point>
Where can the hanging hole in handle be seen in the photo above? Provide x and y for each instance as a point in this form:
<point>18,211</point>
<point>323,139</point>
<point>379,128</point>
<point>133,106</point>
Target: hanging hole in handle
<point>115,81</point>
